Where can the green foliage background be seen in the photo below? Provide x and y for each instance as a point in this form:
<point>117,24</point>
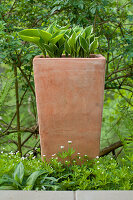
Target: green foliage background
<point>112,20</point>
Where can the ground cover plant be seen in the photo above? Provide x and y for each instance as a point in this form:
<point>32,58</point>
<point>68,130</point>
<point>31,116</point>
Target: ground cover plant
<point>30,173</point>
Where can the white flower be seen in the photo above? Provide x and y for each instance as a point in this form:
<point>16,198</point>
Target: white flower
<point>0,117</point>
<point>44,155</point>
<point>53,154</point>
<point>23,158</point>
<point>1,151</point>
<point>69,142</point>
<point>102,172</point>
<point>97,157</point>
<point>98,168</point>
<point>0,129</point>
<point>79,157</point>
<point>78,153</point>
<point>85,155</point>
<point>34,157</point>
<point>62,147</point>
<point>3,148</point>
<point>97,161</point>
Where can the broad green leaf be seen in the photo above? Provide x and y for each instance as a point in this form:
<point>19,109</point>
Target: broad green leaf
<point>83,43</point>
<point>49,50</point>
<point>19,173</point>
<point>56,39</point>
<point>33,177</point>
<point>78,29</point>
<point>92,38</point>
<point>7,180</point>
<point>93,45</point>
<point>67,47</point>
<point>58,33</point>
<point>30,33</point>
<point>72,40</point>
<point>45,35</point>
<point>7,187</point>
<point>82,34</point>
<point>65,27</point>
<point>51,27</point>
<point>88,31</point>
<point>29,37</point>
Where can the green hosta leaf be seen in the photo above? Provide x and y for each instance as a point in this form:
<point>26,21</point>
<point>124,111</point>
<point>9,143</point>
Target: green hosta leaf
<point>82,34</point>
<point>65,27</point>
<point>88,31</point>
<point>78,29</point>
<point>30,33</point>
<point>93,45</point>
<point>51,28</point>
<point>49,50</point>
<point>19,173</point>
<point>83,43</point>
<point>67,47</point>
<point>56,39</point>
<point>92,38</point>
<point>35,40</point>
<point>45,35</point>
<point>72,40</point>
<point>33,177</point>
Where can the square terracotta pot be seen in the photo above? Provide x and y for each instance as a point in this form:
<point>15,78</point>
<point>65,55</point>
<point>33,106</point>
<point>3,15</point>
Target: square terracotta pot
<point>69,96</point>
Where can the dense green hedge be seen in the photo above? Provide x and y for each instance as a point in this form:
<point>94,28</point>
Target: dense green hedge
<point>31,173</point>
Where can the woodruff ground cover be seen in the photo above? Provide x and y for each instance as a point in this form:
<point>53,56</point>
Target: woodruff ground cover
<point>30,173</point>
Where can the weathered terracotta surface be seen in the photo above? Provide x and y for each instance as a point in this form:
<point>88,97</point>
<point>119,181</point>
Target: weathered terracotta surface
<point>69,95</point>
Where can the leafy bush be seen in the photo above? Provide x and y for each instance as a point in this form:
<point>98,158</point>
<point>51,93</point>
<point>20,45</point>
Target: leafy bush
<point>56,40</point>
<point>30,173</point>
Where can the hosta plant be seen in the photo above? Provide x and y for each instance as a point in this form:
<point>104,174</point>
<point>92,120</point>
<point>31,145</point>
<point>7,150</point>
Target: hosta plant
<point>55,40</point>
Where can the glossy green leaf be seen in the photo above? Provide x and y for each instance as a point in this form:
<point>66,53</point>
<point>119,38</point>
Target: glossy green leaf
<point>45,35</point>
<point>67,47</point>
<point>93,45</point>
<point>84,43</point>
<point>34,40</point>
<point>65,27</point>
<point>19,173</point>
<point>72,40</point>
<point>56,39</point>
<point>33,177</point>
<point>30,33</point>
<point>88,31</point>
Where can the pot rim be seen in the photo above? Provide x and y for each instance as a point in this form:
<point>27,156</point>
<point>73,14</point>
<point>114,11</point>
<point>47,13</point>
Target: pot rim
<point>92,56</point>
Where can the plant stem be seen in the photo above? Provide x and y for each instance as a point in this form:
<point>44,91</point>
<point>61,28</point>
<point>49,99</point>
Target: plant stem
<point>17,110</point>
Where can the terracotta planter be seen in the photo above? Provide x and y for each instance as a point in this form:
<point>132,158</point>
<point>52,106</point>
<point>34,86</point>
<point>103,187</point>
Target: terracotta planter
<point>69,95</point>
